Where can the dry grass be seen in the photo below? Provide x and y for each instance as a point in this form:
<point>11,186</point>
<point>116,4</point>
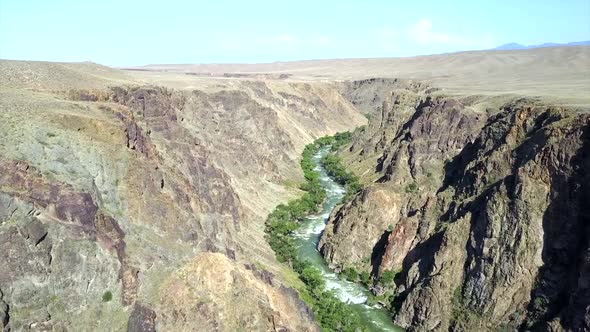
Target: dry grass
<point>561,74</point>
<point>557,75</point>
<point>38,75</point>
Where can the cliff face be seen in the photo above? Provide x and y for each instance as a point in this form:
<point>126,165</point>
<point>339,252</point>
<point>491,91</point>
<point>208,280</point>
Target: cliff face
<point>142,208</point>
<point>482,213</point>
<point>406,143</point>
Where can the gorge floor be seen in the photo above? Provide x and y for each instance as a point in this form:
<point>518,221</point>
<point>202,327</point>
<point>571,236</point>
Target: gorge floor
<point>374,318</point>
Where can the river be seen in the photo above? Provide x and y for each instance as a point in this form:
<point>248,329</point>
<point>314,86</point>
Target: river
<point>307,238</point>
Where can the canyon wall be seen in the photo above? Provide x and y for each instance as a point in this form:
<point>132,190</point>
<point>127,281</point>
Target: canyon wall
<point>141,208</point>
<point>479,205</point>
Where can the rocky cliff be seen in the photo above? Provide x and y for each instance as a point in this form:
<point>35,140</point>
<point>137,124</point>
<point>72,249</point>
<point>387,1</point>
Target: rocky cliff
<point>478,205</point>
<point>141,208</point>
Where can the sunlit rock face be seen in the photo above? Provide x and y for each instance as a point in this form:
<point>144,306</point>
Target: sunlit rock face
<point>141,208</point>
<point>478,204</point>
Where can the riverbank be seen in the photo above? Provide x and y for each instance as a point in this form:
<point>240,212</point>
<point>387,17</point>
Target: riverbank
<point>293,233</point>
<point>355,295</point>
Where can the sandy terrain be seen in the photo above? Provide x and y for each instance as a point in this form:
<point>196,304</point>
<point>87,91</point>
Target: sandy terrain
<point>561,74</point>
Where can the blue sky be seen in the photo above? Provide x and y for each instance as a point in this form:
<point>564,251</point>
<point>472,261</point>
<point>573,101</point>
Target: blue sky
<point>119,32</point>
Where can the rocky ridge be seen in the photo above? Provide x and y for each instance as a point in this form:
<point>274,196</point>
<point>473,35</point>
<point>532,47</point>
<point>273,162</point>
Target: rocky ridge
<point>478,206</point>
<point>120,208</point>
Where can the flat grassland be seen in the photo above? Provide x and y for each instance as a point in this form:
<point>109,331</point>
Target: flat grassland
<point>555,75</point>
<point>559,74</point>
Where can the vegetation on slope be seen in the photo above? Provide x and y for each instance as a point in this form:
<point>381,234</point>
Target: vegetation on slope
<point>384,283</point>
<point>331,313</point>
<point>337,170</point>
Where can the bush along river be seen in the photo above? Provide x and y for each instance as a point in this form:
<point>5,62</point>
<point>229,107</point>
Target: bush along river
<point>293,232</point>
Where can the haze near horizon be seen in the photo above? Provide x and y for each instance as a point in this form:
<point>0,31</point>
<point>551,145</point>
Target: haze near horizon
<point>128,33</point>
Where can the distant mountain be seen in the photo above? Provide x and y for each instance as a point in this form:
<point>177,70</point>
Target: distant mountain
<point>510,46</point>
<point>516,46</point>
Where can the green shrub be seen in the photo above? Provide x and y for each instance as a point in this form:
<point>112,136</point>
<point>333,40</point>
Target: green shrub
<point>337,170</point>
<point>371,300</point>
<point>107,296</point>
<point>331,313</point>
<point>313,279</point>
<point>365,278</point>
<point>412,188</point>
<point>350,274</point>
<point>387,278</point>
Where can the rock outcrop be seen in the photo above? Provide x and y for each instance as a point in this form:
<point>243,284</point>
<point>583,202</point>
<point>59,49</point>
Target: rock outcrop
<point>408,142</point>
<point>122,208</point>
<point>204,293</point>
<point>481,212</point>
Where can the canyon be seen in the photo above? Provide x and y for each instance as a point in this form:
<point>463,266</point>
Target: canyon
<point>134,199</point>
<point>480,212</point>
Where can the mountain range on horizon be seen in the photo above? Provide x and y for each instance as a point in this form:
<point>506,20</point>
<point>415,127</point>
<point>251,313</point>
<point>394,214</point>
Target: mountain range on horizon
<point>517,46</point>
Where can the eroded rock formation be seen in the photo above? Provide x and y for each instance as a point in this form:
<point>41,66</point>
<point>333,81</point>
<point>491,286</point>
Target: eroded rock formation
<point>481,211</point>
<point>138,208</point>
